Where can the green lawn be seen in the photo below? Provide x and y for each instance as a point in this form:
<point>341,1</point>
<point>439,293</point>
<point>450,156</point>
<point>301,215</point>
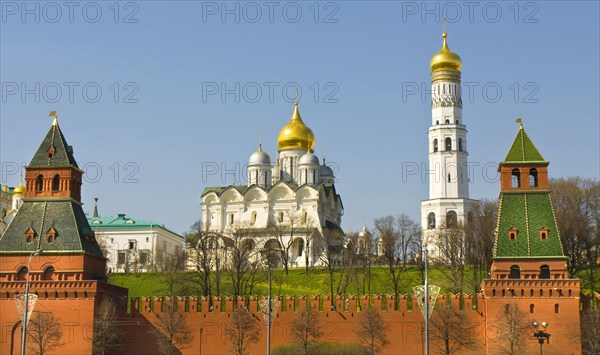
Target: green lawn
<point>296,283</point>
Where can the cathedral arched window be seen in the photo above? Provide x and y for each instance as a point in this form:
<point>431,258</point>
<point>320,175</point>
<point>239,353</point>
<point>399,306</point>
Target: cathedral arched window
<point>431,220</point>
<point>448,144</point>
<point>39,183</point>
<point>435,145</point>
<point>253,217</point>
<point>451,219</point>
<point>460,145</point>
<point>56,183</point>
<point>516,178</point>
<point>447,121</point>
<point>533,177</point>
<point>280,217</point>
<point>437,122</point>
<point>231,218</point>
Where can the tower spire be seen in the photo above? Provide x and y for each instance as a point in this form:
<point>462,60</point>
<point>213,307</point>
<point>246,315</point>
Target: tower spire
<point>55,121</point>
<point>96,207</point>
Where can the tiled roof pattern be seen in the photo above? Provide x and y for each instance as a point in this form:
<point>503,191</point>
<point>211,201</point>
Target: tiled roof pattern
<point>66,217</point>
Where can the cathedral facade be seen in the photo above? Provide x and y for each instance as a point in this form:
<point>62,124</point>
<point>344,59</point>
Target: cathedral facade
<point>285,203</point>
<point>449,204</point>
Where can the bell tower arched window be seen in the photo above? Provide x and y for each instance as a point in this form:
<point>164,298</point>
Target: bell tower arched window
<point>56,183</point>
<point>435,145</point>
<point>516,178</point>
<point>533,177</point>
<point>451,219</point>
<point>448,144</point>
<point>39,183</point>
<point>431,220</point>
<point>460,147</point>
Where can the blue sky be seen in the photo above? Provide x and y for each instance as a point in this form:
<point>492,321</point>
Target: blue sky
<point>161,123</point>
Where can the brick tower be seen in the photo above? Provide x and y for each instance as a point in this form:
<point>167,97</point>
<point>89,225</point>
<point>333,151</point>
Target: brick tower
<point>70,272</point>
<point>529,268</point>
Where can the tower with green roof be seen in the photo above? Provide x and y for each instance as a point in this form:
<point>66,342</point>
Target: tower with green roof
<point>529,268</point>
<point>51,217</point>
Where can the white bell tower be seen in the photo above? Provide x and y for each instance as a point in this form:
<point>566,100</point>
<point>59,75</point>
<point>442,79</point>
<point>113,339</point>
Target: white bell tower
<point>448,202</point>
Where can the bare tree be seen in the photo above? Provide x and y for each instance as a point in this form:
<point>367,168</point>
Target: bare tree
<point>452,245</point>
<point>479,234</point>
<point>396,236</point>
<point>243,265</point>
<point>44,332</point>
<point>172,332</point>
<point>242,330</point>
<point>366,256</point>
<point>305,328</point>
<point>333,243</point>
<point>349,262</point>
<point>590,331</point>
<point>577,205</point>
<point>107,334</point>
<point>513,329</point>
<point>451,332</point>
<point>203,256</point>
<point>372,331</point>
<point>313,245</point>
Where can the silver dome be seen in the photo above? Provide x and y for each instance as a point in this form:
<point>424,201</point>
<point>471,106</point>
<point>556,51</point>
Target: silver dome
<point>308,159</point>
<point>326,171</point>
<point>259,158</point>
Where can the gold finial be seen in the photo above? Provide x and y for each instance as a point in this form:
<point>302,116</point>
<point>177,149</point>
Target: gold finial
<point>444,24</point>
<point>55,121</point>
<point>297,95</point>
<point>520,122</point>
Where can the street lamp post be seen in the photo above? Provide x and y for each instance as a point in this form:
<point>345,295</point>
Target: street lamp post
<point>541,334</point>
<point>426,303</point>
<point>24,320</point>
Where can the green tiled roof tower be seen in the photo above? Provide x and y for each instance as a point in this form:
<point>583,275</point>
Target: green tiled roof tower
<point>51,217</point>
<point>526,226</point>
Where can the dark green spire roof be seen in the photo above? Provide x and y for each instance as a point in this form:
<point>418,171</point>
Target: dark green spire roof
<point>62,155</point>
<point>523,149</point>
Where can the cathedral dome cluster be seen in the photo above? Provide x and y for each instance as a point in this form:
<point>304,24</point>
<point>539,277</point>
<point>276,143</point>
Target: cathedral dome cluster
<point>445,59</point>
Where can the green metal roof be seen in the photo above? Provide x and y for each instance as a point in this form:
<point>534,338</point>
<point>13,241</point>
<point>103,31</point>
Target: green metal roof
<point>63,152</point>
<point>123,221</point>
<point>65,216</point>
<point>523,149</point>
<point>527,213</point>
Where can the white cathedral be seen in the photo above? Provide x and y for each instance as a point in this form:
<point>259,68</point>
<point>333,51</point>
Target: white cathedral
<point>449,203</point>
<point>296,195</point>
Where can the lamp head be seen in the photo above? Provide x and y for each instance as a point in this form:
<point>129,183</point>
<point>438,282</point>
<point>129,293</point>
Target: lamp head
<point>536,324</point>
<point>545,324</point>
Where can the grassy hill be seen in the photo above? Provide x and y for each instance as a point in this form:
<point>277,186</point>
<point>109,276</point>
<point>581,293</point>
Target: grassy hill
<point>296,283</point>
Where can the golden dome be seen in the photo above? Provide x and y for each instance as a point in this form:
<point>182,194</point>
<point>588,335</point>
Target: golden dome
<point>295,134</point>
<point>445,59</point>
<point>19,190</point>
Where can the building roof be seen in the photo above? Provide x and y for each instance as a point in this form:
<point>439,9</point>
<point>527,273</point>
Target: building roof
<point>64,216</point>
<point>528,213</point>
<point>523,150</point>
<point>62,155</point>
<point>124,221</point>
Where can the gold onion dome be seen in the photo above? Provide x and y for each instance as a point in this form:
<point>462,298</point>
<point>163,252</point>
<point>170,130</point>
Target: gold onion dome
<point>445,59</point>
<point>295,134</point>
<point>19,190</point>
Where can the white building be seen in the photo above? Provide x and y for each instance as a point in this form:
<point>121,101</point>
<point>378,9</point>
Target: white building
<point>449,201</point>
<point>134,245</point>
<point>297,193</point>
<point>10,201</point>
